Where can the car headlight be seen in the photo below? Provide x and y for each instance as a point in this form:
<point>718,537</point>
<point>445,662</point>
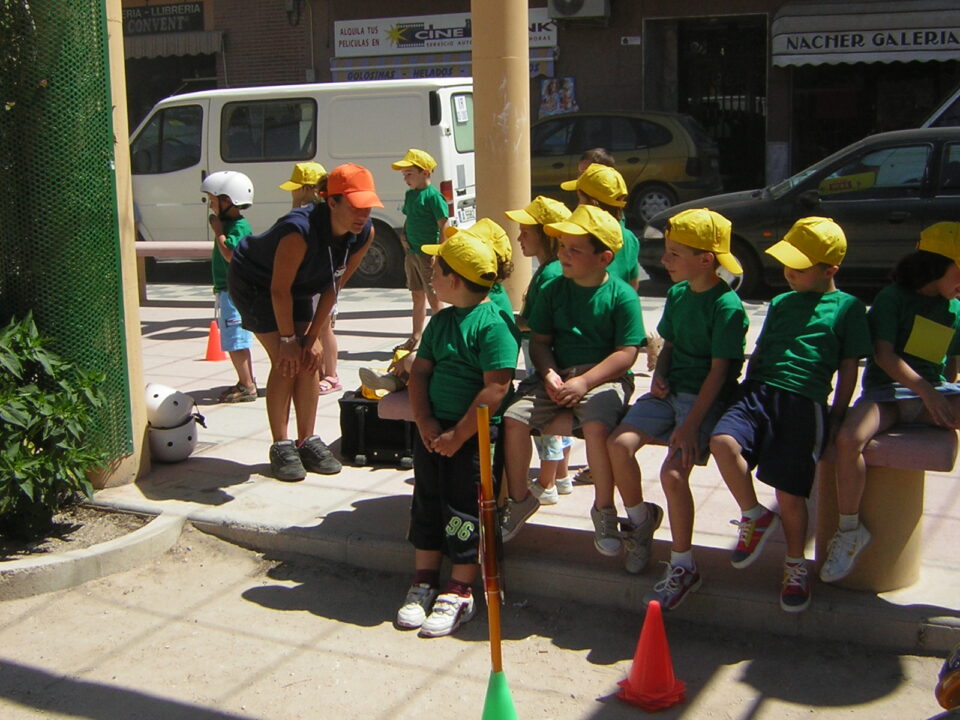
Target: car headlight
<point>652,233</point>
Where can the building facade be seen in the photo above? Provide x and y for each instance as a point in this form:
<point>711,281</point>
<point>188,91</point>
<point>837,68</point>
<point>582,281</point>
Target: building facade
<point>777,84</point>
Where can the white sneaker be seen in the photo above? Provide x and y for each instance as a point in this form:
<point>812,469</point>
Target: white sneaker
<point>842,553</point>
<point>546,496</point>
<point>449,612</point>
<point>411,615</point>
<point>564,485</point>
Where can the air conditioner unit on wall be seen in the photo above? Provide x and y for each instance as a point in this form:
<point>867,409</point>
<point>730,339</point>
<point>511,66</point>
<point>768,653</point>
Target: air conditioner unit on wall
<point>572,9</point>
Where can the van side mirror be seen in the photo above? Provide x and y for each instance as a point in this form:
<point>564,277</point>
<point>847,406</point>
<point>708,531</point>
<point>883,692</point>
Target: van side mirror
<point>809,199</point>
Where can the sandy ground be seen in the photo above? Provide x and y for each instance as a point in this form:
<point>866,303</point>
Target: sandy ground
<point>211,630</point>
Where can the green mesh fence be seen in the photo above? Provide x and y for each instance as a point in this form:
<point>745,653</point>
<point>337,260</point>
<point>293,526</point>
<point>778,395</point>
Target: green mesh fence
<point>59,238</point>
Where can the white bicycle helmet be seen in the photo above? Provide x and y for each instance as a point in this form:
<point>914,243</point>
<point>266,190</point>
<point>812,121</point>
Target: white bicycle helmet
<point>174,444</point>
<point>235,185</point>
<point>166,407</point>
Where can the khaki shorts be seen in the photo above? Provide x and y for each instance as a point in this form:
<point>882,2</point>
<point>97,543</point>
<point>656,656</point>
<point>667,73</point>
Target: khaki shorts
<point>419,269</point>
<point>606,403</point>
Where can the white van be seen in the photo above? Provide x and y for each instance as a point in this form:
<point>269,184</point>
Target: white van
<point>263,131</point>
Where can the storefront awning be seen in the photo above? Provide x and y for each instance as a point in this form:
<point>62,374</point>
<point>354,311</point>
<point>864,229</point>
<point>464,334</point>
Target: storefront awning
<point>396,67</point>
<point>818,33</point>
<point>164,44</point>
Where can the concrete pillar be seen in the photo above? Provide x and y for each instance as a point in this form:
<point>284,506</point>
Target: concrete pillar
<point>126,469</point>
<point>501,105</point>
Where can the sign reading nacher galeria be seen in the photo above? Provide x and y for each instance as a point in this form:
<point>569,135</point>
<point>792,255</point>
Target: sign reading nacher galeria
<point>175,17</point>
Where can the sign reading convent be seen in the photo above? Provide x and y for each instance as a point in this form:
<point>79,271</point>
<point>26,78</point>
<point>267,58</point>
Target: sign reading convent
<point>150,19</point>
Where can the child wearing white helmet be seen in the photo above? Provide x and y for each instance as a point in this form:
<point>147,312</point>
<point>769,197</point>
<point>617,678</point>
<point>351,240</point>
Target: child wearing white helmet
<point>228,192</point>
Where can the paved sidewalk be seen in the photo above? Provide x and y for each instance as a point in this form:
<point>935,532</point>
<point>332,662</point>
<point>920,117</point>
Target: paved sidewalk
<point>360,516</point>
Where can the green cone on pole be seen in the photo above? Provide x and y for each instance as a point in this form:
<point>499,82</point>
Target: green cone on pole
<point>499,704</point>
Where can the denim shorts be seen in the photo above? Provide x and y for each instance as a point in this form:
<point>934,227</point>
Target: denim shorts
<point>232,335</point>
<point>659,417</point>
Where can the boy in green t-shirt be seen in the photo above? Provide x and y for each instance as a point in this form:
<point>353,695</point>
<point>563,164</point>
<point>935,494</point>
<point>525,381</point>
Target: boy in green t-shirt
<point>586,329</point>
<point>426,213</point>
<point>779,422</point>
<point>704,328</point>
<point>467,358</point>
<point>227,193</point>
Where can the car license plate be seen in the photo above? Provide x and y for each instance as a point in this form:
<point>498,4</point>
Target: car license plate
<point>467,214</point>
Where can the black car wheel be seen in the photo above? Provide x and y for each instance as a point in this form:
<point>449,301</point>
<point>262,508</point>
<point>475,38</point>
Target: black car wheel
<point>382,266</point>
<point>648,200</point>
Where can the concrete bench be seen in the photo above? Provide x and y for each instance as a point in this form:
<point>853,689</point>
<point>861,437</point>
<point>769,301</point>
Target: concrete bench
<point>892,505</point>
<point>166,249</point>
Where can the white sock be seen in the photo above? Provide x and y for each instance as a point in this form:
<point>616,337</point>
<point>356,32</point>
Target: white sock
<point>684,559</point>
<point>755,512</point>
<point>794,560</point>
<point>849,522</point>
<point>638,514</point>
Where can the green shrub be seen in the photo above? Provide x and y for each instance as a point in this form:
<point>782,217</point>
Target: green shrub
<point>46,409</point>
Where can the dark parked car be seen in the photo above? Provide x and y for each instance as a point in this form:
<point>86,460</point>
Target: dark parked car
<point>882,191</point>
<point>664,158</point>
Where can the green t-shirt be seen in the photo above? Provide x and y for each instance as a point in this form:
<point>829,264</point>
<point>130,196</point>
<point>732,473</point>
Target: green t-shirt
<point>922,330</point>
<point>626,262</point>
<point>423,210</point>
<point>702,326</point>
<point>462,344</point>
<point>235,231</point>
<point>541,276</point>
<point>588,323</point>
<point>498,296</point>
<point>804,338</point>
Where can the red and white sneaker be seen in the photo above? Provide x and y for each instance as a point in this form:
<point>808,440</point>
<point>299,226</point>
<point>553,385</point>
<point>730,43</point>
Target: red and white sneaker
<point>753,536</point>
<point>449,612</point>
<point>795,591</point>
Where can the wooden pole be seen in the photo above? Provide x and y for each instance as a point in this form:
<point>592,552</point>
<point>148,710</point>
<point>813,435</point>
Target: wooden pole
<point>488,538</point>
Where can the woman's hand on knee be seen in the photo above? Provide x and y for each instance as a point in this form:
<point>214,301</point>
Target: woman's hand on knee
<point>311,357</point>
<point>288,359</point>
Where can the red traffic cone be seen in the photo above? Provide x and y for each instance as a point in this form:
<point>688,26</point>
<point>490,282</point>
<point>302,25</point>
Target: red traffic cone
<point>651,684</point>
<point>214,351</point>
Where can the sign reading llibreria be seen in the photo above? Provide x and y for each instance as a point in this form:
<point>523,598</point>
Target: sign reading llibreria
<point>152,19</point>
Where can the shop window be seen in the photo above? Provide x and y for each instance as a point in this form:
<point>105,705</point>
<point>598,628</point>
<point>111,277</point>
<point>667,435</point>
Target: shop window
<point>268,130</point>
<point>170,141</point>
<point>887,173</point>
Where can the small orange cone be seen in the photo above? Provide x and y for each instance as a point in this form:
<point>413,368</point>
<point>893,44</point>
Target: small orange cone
<point>651,684</point>
<point>214,352</point>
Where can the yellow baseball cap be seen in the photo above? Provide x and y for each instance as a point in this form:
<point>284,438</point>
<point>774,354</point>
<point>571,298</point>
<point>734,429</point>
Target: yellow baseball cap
<point>305,173</point>
<point>541,211</point>
<point>704,229</point>
<point>942,238</point>
<point>590,220</point>
<point>489,232</point>
<point>469,255</point>
<point>416,158</point>
<point>811,240</point>
<point>602,183</point>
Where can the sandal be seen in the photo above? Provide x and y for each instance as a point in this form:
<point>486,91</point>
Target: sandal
<point>238,393</point>
<point>329,384</point>
<point>583,476</point>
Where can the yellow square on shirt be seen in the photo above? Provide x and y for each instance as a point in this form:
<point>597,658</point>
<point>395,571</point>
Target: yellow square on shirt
<point>928,340</point>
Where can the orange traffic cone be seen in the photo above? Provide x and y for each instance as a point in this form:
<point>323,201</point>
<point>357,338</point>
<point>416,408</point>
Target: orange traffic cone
<point>651,684</point>
<point>214,352</point>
